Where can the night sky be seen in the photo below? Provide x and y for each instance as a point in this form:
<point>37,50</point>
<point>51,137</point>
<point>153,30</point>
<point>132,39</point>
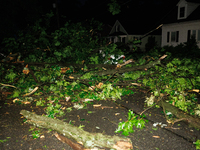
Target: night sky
<point>20,13</point>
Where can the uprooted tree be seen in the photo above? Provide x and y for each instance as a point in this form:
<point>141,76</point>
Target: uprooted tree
<point>41,70</point>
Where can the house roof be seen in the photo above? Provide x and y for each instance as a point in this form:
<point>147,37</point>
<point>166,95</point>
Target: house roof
<point>193,1</point>
<point>172,16</point>
<point>117,33</point>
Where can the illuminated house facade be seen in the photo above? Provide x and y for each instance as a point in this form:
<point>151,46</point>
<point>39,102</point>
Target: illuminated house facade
<point>183,23</point>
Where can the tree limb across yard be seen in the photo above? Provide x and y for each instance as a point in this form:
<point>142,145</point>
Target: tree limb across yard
<point>123,70</point>
<point>193,121</point>
<point>87,140</point>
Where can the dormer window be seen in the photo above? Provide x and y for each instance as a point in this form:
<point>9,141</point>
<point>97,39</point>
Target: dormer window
<point>186,7</point>
<point>182,12</point>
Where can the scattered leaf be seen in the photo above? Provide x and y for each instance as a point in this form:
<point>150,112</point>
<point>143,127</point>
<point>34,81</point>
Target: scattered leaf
<point>156,136</point>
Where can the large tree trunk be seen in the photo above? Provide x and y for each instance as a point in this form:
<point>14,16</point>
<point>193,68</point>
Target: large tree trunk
<point>88,140</point>
<point>194,122</point>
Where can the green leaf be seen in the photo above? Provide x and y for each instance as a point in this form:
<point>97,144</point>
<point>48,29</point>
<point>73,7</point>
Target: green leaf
<point>57,43</point>
<point>114,7</point>
<point>145,81</point>
<point>197,143</point>
<point>86,76</point>
<point>57,53</point>
<point>16,94</point>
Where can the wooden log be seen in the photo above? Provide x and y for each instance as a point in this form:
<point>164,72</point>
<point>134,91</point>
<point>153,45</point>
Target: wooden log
<point>193,121</point>
<point>88,140</point>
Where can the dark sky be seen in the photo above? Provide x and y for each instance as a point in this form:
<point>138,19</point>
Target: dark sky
<point>79,10</point>
<point>130,9</point>
<point>19,13</point>
<point>146,13</point>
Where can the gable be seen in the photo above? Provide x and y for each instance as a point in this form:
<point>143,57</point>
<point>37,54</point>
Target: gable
<point>186,8</point>
<point>193,1</point>
<point>118,29</point>
<point>192,8</point>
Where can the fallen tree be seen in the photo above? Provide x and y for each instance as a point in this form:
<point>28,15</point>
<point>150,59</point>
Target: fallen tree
<point>86,139</point>
<point>182,116</point>
<point>159,78</point>
<point>123,70</point>
<point>59,79</point>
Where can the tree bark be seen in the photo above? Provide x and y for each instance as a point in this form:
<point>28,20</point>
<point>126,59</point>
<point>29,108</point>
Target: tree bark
<point>123,70</point>
<point>194,122</point>
<point>88,140</point>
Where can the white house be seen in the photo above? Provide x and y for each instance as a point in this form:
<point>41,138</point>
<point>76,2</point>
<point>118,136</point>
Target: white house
<point>182,23</point>
<point>130,32</point>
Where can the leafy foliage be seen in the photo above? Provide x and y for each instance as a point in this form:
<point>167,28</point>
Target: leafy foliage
<point>133,120</point>
<point>114,7</point>
<point>73,42</point>
<point>67,53</point>
<point>197,143</point>
<point>35,132</point>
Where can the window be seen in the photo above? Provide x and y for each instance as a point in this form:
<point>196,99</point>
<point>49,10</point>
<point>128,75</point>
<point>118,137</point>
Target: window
<point>173,36</point>
<point>182,12</point>
<point>194,33</point>
<point>123,39</point>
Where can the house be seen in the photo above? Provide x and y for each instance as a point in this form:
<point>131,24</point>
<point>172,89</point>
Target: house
<point>182,23</point>
<point>132,30</point>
